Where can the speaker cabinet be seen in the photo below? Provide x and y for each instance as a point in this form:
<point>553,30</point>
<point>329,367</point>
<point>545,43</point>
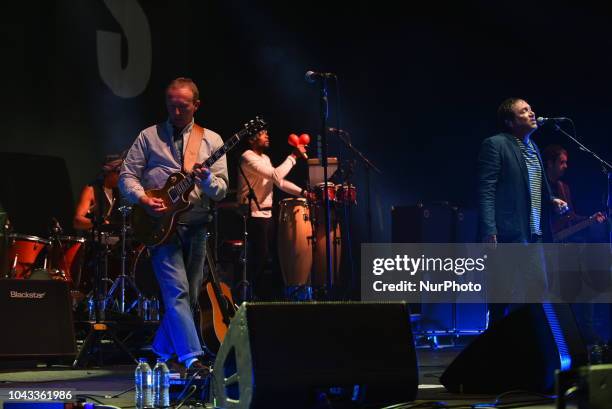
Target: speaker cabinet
<point>422,224</point>
<point>36,319</point>
<point>521,351</point>
<point>282,355</point>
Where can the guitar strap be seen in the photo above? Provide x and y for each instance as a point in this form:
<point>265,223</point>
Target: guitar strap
<point>193,147</point>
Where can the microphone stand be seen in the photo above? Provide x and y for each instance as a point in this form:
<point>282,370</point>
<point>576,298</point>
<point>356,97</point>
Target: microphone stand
<point>4,254</point>
<point>244,283</point>
<point>605,167</point>
<point>323,157</point>
<point>368,166</point>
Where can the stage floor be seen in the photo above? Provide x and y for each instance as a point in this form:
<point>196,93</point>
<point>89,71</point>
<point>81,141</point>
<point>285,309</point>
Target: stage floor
<point>112,385</point>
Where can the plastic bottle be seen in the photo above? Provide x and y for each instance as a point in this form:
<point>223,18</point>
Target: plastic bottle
<point>91,308</point>
<point>161,384</point>
<point>154,309</point>
<point>143,379</point>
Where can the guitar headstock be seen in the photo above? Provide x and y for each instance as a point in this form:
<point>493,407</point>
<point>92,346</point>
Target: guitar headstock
<point>254,126</point>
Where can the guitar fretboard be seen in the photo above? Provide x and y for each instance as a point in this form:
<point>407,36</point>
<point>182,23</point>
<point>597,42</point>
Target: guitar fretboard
<point>184,185</point>
<point>218,154</point>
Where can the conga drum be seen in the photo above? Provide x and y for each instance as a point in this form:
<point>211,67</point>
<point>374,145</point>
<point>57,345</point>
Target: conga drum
<point>319,192</point>
<point>23,253</point>
<point>295,242</point>
<point>346,194</point>
<point>319,260</point>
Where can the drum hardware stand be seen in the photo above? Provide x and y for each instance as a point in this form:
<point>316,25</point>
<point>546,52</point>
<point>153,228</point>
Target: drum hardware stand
<point>120,282</point>
<point>100,327</point>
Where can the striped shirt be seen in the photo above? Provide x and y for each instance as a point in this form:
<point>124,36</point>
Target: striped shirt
<point>534,169</point>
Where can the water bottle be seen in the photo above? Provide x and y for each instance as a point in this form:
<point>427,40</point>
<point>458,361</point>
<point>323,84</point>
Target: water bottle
<point>143,307</point>
<point>154,309</point>
<point>161,384</point>
<point>91,308</point>
<point>143,382</point>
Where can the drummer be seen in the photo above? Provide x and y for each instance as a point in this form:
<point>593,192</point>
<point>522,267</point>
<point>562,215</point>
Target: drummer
<point>100,198</point>
<point>256,173</point>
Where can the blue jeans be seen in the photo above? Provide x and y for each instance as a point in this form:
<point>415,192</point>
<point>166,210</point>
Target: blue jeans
<point>179,268</point>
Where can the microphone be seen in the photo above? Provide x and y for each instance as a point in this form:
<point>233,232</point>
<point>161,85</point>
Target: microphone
<point>336,130</point>
<point>541,120</point>
<point>312,76</point>
<point>55,226</point>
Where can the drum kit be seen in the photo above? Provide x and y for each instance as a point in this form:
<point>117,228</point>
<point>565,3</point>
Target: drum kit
<point>301,238</point>
<point>107,257</point>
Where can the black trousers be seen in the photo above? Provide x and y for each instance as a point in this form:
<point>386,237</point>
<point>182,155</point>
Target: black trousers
<point>260,242</point>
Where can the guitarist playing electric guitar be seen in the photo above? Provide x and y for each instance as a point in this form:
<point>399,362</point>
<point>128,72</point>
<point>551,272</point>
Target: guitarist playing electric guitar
<point>160,155</point>
<point>570,223</point>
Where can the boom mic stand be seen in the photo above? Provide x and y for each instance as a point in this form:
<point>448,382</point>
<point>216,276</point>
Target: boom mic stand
<point>343,136</point>
<point>246,214</point>
<point>4,257</point>
<point>605,167</point>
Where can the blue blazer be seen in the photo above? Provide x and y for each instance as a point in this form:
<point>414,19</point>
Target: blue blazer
<point>504,198</point>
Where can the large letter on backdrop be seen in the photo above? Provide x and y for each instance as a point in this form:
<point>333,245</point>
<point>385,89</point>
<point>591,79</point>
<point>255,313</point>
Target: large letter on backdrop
<point>132,80</point>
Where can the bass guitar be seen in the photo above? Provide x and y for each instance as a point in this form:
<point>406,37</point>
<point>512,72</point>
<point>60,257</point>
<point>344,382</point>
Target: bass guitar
<point>153,229</point>
<point>573,229</point>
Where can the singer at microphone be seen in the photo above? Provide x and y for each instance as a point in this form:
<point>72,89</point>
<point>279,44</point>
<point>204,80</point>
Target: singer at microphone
<point>514,197</point>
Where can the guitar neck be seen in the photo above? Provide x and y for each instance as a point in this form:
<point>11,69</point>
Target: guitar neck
<point>189,180</point>
<point>565,233</point>
<point>227,146</point>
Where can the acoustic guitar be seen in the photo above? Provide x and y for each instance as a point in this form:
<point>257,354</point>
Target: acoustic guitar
<point>217,309</point>
<point>155,229</point>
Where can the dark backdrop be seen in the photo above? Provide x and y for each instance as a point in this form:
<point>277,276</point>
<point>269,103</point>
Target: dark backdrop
<point>419,87</point>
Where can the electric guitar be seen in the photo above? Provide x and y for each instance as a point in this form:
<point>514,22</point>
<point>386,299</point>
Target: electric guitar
<point>155,229</point>
<point>573,229</point>
<point>217,307</point>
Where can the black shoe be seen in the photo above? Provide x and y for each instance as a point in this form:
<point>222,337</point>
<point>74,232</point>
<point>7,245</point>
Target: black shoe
<point>198,368</point>
<point>176,367</point>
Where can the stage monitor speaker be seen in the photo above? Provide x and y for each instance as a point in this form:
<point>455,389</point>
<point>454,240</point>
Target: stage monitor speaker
<point>283,355</point>
<point>36,319</point>
<point>422,224</point>
<point>522,351</point>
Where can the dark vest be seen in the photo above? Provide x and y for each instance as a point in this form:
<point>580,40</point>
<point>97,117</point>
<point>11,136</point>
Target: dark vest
<point>102,204</point>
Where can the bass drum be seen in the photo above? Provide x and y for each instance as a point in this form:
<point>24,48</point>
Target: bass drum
<point>295,242</point>
<point>24,254</point>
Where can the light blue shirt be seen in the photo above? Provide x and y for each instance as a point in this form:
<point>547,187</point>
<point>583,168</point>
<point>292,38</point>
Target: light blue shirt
<point>153,157</point>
